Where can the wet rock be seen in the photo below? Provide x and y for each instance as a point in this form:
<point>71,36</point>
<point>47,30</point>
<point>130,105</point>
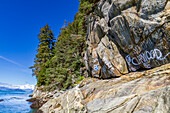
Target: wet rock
<point>1,100</point>
<point>30,95</point>
<point>37,104</point>
<point>31,100</point>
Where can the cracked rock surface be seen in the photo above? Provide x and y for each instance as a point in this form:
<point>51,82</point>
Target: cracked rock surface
<point>136,92</point>
<point>127,36</point>
<point>129,42</point>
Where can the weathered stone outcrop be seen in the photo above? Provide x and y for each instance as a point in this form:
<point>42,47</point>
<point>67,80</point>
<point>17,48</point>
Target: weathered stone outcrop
<point>128,42</point>
<point>136,92</point>
<point>40,97</point>
<point>126,36</point>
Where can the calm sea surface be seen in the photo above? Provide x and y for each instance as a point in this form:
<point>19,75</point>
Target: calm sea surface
<point>15,102</point>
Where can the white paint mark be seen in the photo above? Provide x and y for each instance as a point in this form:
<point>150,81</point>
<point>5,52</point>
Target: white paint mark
<point>144,58</point>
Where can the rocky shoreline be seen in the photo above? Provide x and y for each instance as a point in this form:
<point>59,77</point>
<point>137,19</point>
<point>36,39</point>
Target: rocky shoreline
<point>36,103</point>
<point>127,61</point>
<point>39,98</point>
<point>137,91</point>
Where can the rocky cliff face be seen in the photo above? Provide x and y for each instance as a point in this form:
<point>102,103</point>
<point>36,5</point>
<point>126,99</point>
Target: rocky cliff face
<point>128,41</point>
<point>126,36</point>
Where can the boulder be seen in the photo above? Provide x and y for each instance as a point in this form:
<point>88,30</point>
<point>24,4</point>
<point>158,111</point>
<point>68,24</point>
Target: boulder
<point>31,100</point>
<point>30,95</point>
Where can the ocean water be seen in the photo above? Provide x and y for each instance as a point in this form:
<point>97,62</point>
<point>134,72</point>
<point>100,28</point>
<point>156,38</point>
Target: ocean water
<point>15,102</point>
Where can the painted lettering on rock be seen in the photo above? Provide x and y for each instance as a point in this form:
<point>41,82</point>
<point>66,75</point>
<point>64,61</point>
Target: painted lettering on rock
<point>96,67</point>
<point>144,58</point>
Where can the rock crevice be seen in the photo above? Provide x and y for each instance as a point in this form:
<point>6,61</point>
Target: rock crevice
<point>136,92</point>
<point>127,42</point>
<point>131,35</point>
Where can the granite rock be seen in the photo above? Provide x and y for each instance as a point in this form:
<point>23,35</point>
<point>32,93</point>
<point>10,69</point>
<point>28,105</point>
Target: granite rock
<point>131,35</point>
<point>127,42</point>
<point>137,92</point>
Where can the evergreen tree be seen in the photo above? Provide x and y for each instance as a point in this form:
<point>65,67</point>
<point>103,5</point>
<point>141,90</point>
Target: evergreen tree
<point>45,53</point>
<point>61,68</point>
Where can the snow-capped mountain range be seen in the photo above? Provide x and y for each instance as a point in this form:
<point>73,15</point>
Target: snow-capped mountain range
<point>13,87</point>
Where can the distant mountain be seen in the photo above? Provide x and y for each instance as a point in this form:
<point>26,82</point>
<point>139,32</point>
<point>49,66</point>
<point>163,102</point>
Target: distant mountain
<point>3,83</point>
<point>9,87</point>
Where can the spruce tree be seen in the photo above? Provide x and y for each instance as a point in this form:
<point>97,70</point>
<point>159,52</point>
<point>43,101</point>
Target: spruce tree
<point>45,53</point>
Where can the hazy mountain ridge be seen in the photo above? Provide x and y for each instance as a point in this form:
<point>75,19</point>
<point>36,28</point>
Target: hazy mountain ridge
<point>9,87</point>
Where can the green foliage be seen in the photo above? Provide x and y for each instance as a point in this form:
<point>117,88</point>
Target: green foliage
<point>58,67</point>
<point>45,53</point>
<point>85,6</point>
<point>65,65</point>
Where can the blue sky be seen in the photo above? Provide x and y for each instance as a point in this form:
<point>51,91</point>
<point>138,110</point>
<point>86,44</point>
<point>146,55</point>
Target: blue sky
<point>20,23</point>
